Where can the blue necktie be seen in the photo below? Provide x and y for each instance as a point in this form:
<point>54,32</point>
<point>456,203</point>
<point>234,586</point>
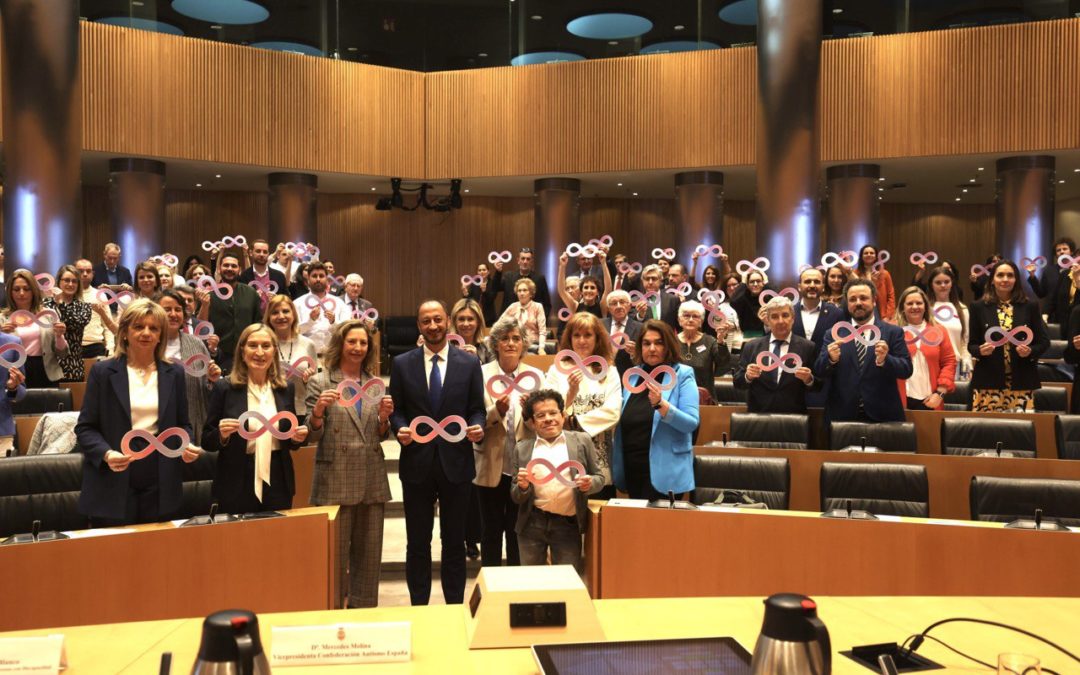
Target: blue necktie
<point>776,351</point>
<point>435,384</point>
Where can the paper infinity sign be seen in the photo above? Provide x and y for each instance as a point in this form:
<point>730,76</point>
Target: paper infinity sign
<point>20,355</point>
<point>438,429</point>
<point>202,330</point>
<point>269,286</point>
<point>714,251</point>
<point>167,259</point>
<point>110,297</point>
<point>298,367</point>
<point>882,258</point>
<point>928,258</point>
<point>195,365</point>
<point>207,283</point>
<point>979,270</point>
<point>627,268</point>
<point>588,250</point>
<point>226,242</point>
<point>45,318</point>
<point>456,340</point>
<point>327,303</point>
<point>605,240</point>
<point>867,334</point>
<point>789,292</point>
<point>845,258</point>
<point>649,378</point>
<point>338,279</point>
<point>512,383</point>
<point>371,391</point>
<point>267,425</point>
<point>155,442</point>
<point>1066,261</point>
<point>554,472</point>
<point>663,253</point>
<point>683,290</point>
<point>1038,261</point>
<point>370,314</point>
<point>651,298</point>
<point>1009,337</point>
<point>944,313</point>
<point>474,279</point>
<point>761,264</point>
<point>787,363</point>
<point>707,297</point>
<point>500,256</point>
<point>931,336</point>
<point>620,340</point>
<point>46,282</point>
<point>581,365</point>
<point>564,314</point>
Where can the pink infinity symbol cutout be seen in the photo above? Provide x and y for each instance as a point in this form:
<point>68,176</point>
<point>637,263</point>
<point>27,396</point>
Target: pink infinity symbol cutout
<point>500,256</point>
<point>761,264</point>
<point>1009,336</point>
<point>554,472</point>
<point>663,253</point>
<point>270,286</point>
<point>45,318</point>
<point>167,259</point>
<point>931,335</point>
<point>299,366</point>
<point>651,298</point>
<point>327,303</point>
<point>706,296</point>
<point>714,251</point>
<point>512,383</point>
<point>438,429</point>
<point>588,250</point>
<point>226,242</point>
<point>1065,261</point>
<point>1038,261</point>
<point>202,330</point>
<point>456,340</point>
<point>769,362</point>
<point>371,391</point>
<point>979,270</point>
<point>109,297</point>
<point>789,292</point>
<point>474,279</point>
<point>928,258</point>
<point>619,340</point>
<point>867,334</point>
<point>207,283</point>
<point>882,258</point>
<point>945,313</point>
<point>46,282</point>
<point>20,355</point>
<point>564,314</point>
<point>581,365</point>
<point>195,365</point>
<point>649,378</point>
<point>627,268</point>
<point>605,240</point>
<point>683,290</point>
<point>369,314</point>
<point>845,258</point>
<point>267,425</point>
<point>154,442</point>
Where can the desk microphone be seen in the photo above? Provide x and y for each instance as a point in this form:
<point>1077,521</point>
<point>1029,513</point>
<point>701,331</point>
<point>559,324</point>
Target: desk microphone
<point>847,505</point>
<point>1038,519</point>
<point>862,439</point>
<point>723,437</point>
<point>997,447</point>
<point>671,500</point>
<point>213,511</point>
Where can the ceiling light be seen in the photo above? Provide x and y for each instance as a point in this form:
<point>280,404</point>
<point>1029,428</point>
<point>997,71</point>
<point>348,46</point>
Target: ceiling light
<point>613,42</point>
<point>215,26</point>
<point>971,180</point>
<point>980,168</point>
<point>217,175</point>
<point>352,49</point>
<point>536,17</point>
<point>288,46</point>
<point>609,26</point>
<point>964,190</point>
<point>1061,181</point>
<point>837,10</point>
<point>198,184</point>
<point>618,184</point>
<point>373,189</point>
<point>465,190</point>
<point>635,194</point>
<point>957,199</point>
<point>482,55</point>
<point>544,57</point>
<point>680,27</point>
<point>1076,170</point>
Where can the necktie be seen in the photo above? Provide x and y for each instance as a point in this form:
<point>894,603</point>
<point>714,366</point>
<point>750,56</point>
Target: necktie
<point>618,282</point>
<point>776,344</point>
<point>435,384</point>
<point>656,311</point>
<point>860,349</point>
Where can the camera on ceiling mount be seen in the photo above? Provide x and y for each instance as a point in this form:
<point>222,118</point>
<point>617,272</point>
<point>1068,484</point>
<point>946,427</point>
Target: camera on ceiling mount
<point>397,201</point>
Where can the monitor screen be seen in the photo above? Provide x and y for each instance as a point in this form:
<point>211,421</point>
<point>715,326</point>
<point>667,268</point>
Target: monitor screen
<point>692,656</point>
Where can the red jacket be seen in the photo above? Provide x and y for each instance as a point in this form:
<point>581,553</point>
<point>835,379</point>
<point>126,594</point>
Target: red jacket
<point>940,361</point>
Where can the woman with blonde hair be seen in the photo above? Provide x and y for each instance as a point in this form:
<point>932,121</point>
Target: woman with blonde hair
<point>467,320</point>
<point>280,316</point>
<point>932,356</point>
<point>45,344</point>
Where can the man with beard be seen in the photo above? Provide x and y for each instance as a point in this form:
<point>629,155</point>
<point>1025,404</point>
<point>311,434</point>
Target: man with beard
<point>506,281</point>
<point>230,317</point>
<point>862,378</point>
<point>813,318</point>
<point>261,271</point>
<point>318,310</point>
<point>437,382</point>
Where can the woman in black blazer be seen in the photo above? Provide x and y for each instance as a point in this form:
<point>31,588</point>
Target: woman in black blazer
<point>137,389</point>
<point>1005,378</point>
<point>256,383</point>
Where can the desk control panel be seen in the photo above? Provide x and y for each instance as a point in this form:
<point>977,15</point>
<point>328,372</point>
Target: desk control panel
<point>537,614</point>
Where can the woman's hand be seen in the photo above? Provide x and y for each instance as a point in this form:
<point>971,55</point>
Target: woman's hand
<point>227,427</point>
<point>986,349</point>
<point>326,399</point>
<point>386,409</point>
<point>117,461</point>
<point>934,400</point>
<point>213,373</point>
<point>300,433</point>
<point>191,453</point>
<point>1023,351</point>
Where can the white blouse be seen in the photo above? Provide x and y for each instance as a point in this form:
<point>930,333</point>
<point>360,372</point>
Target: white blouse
<point>144,399</point>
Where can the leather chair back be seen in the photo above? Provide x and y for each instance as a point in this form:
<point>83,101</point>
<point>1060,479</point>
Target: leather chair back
<point>960,399</point>
<point>881,489</point>
<point>1051,400</point>
<point>886,436</point>
<point>198,479</point>
<point>975,435</point>
<point>1053,331</point>
<point>40,487</point>
<point>1055,352</point>
<point>771,431</point>
<point>1006,499</point>
<point>763,479</point>
<point>725,393</point>
<point>400,334</point>
<point>1068,436</point>
<point>41,401</point>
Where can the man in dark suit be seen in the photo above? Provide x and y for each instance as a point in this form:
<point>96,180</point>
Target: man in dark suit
<point>1056,285</point>
<point>505,281</point>
<point>232,316</point>
<point>813,318</point>
<point>668,309</point>
<point>110,273</point>
<point>777,391</point>
<point>862,379</point>
<point>436,381</point>
<point>620,281</point>
<point>619,320</point>
<point>260,269</point>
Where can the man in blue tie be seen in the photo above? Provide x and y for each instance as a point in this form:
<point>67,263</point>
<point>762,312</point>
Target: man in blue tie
<point>436,381</point>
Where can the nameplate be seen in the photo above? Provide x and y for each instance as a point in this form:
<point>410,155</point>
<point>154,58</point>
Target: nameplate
<point>32,654</point>
<point>342,643</point>
<point>631,503</point>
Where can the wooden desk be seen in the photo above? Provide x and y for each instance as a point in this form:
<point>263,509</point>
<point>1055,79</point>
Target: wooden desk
<point>439,633</point>
<point>303,467</point>
<point>949,475</point>
<point>646,553</point>
<point>160,571</point>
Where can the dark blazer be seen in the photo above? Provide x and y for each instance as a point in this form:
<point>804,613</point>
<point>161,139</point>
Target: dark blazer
<point>104,419</point>
<point>669,310</point>
<point>101,276</point>
<point>875,386</point>
<point>766,394</point>
<point>1069,331</point>
<point>827,316</point>
<point>579,448</point>
<point>233,481</point>
<point>230,317</point>
<point>1056,291</point>
<point>462,394</point>
<point>989,371</point>
<point>504,281</point>
<point>623,362</point>
<point>248,275</point>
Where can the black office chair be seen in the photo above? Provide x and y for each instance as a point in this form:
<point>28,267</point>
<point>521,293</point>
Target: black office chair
<point>1051,400</point>
<point>762,479</point>
<point>885,436</point>
<point>1053,331</point>
<point>960,399</point>
<point>1055,352</point>
<point>198,479</point>
<point>1067,428</point>
<point>40,487</point>
<point>881,489</point>
<point>1054,372</point>
<point>725,393</point>
<point>41,401</point>
<point>752,430</point>
<point>1004,500</point>
<point>977,435</point>
<point>400,334</point>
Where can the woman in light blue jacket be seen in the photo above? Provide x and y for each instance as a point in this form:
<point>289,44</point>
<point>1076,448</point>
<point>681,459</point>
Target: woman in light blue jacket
<point>653,450</point>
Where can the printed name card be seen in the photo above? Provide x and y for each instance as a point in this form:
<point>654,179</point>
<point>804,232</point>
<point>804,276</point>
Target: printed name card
<point>32,654</point>
<point>342,643</point>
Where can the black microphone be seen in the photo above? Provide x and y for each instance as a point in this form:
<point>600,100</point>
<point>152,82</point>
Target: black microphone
<point>723,437</point>
<point>671,499</point>
<point>60,407</point>
<point>35,530</point>
<point>862,439</point>
<point>998,448</point>
<point>1038,519</point>
<point>847,504</point>
<point>213,511</point>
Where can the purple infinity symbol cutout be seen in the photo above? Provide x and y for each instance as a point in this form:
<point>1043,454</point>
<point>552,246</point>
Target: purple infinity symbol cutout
<point>845,258</point>
<point>46,282</point>
<point>554,472</point>
<point>928,258</point>
<point>931,336</point>
<point>474,279</point>
<point>882,258</point>
<point>109,297</point>
<point>706,251</point>
<point>500,256</point>
<point>456,340</point>
<point>619,340</point>
<point>648,378</point>
<point>167,259</point>
<point>371,391</point>
<point>867,334</point>
<point>789,292</point>
<point>1065,261</point>
<point>651,298</point>
<point>269,287</point>
<point>438,429</point>
<point>979,270</point>
<point>369,314</point>
<point>207,283</point>
<point>627,268</point>
<point>510,384</point>
<point>1009,336</point>
<point>202,330</point>
<point>45,318</point>
<point>226,242</point>
<point>327,303</point>
<point>267,425</point>
<point>683,290</point>
<point>581,365</point>
<point>20,355</point>
<point>663,253</point>
<point>706,296</point>
<point>299,250</point>
<point>564,314</point>
<point>195,365</point>
<point>760,264</point>
<point>787,363</point>
<point>605,240</point>
<point>1038,261</point>
<point>154,442</point>
<point>298,367</point>
<point>588,250</point>
<point>945,313</point>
